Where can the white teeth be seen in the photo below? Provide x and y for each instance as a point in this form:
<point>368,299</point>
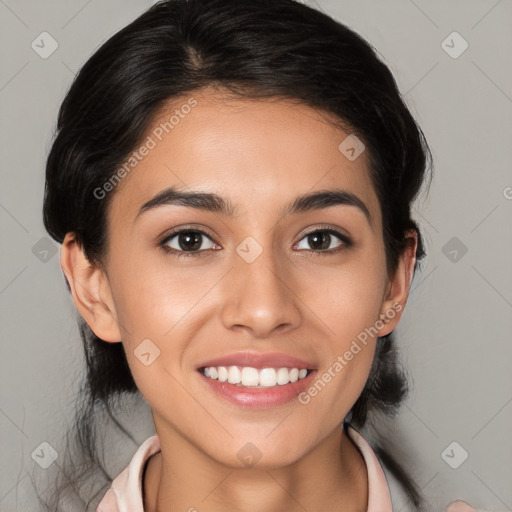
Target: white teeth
<point>252,377</point>
<point>283,376</point>
<point>234,374</point>
<point>223,373</point>
<point>268,377</point>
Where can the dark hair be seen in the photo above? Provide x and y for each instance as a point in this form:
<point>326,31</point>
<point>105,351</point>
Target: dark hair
<point>253,49</point>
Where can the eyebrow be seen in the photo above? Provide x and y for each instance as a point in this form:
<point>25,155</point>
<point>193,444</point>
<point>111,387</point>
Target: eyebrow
<point>210,202</point>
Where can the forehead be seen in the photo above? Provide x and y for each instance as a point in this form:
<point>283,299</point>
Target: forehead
<point>258,153</point>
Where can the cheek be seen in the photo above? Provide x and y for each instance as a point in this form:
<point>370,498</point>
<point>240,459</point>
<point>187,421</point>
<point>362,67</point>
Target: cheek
<point>348,302</point>
<point>167,305</point>
<point>348,298</point>
<point>153,296</point>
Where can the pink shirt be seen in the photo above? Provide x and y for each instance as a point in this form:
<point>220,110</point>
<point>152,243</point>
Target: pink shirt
<point>125,493</point>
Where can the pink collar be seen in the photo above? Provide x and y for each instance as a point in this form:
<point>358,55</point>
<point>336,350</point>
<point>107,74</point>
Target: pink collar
<point>125,493</point>
<point>379,498</point>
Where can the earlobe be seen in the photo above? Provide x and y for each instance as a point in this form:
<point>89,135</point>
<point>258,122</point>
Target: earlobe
<point>90,289</point>
<point>399,286</point>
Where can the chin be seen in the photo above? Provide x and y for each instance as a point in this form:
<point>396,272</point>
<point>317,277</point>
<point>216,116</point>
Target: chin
<point>260,453</point>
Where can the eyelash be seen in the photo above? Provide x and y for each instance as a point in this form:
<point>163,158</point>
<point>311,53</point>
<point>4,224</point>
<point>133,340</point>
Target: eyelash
<point>347,242</point>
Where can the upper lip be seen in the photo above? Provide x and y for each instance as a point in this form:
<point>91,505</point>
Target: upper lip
<point>259,361</point>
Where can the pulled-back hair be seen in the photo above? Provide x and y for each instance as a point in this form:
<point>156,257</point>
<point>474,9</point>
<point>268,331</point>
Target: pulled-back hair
<point>251,49</point>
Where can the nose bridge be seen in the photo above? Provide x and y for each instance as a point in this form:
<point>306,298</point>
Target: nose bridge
<point>258,296</point>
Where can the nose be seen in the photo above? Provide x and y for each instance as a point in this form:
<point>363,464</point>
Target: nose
<point>260,297</point>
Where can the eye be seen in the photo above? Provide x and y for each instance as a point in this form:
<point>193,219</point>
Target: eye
<point>187,241</point>
<point>324,240</point>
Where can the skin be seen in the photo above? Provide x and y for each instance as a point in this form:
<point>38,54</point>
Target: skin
<point>260,155</point>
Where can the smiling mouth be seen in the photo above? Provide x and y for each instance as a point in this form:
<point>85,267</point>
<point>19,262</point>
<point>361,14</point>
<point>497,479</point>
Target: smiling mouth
<point>249,377</point>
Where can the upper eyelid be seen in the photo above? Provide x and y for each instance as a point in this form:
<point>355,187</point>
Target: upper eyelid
<point>346,239</point>
<point>186,230</point>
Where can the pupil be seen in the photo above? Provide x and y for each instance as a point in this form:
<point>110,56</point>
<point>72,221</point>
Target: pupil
<point>189,241</point>
<point>320,240</point>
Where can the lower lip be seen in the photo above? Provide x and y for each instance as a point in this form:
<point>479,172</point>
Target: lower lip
<point>261,398</point>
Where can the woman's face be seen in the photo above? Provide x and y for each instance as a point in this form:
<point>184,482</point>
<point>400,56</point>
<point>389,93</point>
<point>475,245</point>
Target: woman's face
<point>269,279</point>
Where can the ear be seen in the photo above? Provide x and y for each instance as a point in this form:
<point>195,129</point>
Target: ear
<point>90,289</point>
<point>399,285</point>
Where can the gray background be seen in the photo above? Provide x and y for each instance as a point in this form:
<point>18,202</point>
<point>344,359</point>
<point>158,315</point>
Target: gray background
<point>455,333</point>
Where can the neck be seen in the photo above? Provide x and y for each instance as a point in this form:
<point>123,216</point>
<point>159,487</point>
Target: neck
<point>332,477</point>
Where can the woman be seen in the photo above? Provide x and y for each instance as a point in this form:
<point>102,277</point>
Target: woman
<point>231,183</point>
